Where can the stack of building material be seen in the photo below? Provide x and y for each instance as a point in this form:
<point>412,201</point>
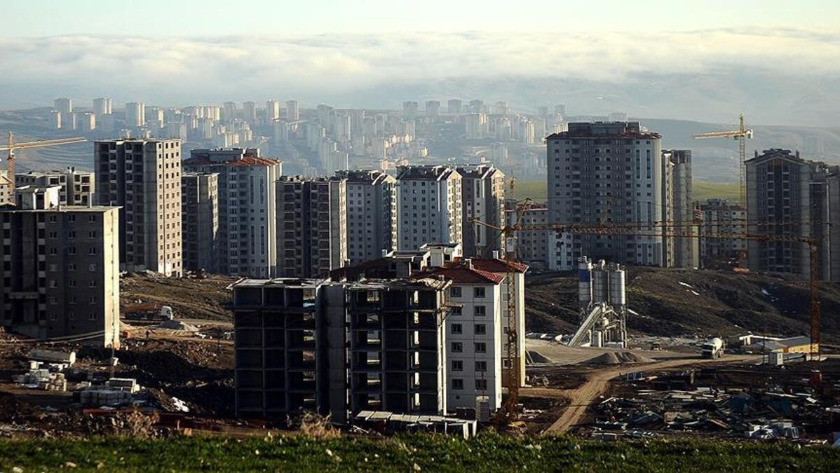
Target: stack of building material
<point>50,356</point>
<point>104,397</point>
<point>42,379</point>
<point>123,384</point>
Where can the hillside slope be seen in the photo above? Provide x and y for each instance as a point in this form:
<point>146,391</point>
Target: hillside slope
<point>674,302</point>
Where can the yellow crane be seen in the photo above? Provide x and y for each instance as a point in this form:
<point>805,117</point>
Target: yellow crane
<point>741,135</point>
<point>12,146</point>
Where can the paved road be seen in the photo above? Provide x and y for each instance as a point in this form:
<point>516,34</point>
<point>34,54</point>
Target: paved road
<point>596,385</point>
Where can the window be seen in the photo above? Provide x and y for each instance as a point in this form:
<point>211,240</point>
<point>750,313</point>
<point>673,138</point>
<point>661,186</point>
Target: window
<point>456,310</point>
<point>455,292</point>
<point>480,329</point>
<point>457,329</point>
<point>457,365</point>
<point>480,347</point>
<point>478,292</point>
<point>481,366</point>
<point>457,383</point>
<point>457,347</point>
<point>481,384</point>
<point>92,316</point>
<point>480,311</point>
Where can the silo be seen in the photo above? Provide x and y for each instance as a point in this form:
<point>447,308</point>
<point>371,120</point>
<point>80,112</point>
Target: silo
<point>618,292</point>
<point>600,286</point>
<point>584,281</point>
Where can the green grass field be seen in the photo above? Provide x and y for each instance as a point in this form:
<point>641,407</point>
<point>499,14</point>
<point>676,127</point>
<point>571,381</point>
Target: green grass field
<point>410,453</point>
<point>703,190</point>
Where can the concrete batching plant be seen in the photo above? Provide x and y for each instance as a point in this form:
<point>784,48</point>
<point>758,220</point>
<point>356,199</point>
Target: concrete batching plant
<point>603,305</point>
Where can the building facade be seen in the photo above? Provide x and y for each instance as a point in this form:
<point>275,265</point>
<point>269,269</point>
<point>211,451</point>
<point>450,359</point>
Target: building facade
<point>247,212</point>
<point>722,223</point>
<point>429,206</point>
<point>603,173</point>
<point>680,251</point>
<point>483,199</point>
<point>60,270</point>
<point>311,226</point>
<point>200,221</point>
<point>143,177</point>
<point>371,214</point>
<point>77,187</point>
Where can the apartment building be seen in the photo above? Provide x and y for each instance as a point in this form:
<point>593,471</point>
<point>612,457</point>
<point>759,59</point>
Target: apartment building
<point>371,214</point>
<point>311,225</point>
<point>6,189</point>
<point>77,187</point>
<point>339,348</point>
<point>429,206</point>
<point>606,172</point>
<point>483,199</point>
<point>247,208</point>
<point>531,245</point>
<point>787,195</point>
<point>60,268</point>
<point>143,177</point>
<point>200,221</point>
<point>722,222</point>
<point>680,251</point>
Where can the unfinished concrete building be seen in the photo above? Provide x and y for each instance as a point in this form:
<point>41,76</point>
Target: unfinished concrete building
<point>787,195</point>
<point>200,220</point>
<point>77,187</point>
<point>483,199</point>
<point>143,177</point>
<point>722,222</point>
<point>531,245</point>
<point>339,348</point>
<point>311,225</point>
<point>59,275</point>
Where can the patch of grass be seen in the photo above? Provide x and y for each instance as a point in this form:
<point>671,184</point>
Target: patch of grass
<point>536,190</point>
<point>488,452</point>
<point>703,190</point>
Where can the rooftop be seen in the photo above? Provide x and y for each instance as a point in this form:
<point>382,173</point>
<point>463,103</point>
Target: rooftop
<point>436,172</point>
<point>605,130</point>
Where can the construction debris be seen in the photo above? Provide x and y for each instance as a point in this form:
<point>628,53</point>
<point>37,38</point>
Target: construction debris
<point>618,358</point>
<point>382,421</point>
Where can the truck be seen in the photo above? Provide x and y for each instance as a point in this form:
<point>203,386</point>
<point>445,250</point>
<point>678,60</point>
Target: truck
<point>713,348</point>
<point>150,312</point>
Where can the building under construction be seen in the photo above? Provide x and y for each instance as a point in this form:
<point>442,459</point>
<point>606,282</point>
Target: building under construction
<point>339,348</point>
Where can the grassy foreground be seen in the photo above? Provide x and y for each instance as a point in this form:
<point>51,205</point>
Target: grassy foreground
<point>488,452</point>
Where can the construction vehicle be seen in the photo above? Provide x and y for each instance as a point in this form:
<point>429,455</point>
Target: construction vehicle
<point>713,348</point>
<point>148,312</point>
<point>12,146</point>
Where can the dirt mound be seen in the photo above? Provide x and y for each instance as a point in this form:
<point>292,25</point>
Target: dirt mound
<point>533,356</point>
<point>189,298</point>
<point>618,358</point>
<point>178,325</point>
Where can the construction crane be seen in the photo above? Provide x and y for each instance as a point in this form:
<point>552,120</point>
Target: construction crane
<point>741,134</point>
<point>509,409</point>
<point>12,146</point>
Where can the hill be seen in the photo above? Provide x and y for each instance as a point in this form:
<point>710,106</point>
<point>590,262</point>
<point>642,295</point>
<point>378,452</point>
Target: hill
<point>673,302</point>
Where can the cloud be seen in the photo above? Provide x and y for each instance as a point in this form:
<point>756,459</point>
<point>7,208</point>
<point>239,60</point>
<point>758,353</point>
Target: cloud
<point>189,70</point>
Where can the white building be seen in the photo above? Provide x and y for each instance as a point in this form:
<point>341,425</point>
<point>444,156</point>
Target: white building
<point>246,207</point>
<point>292,110</point>
<point>103,106</point>
<point>63,105</point>
<point>429,206</point>
<point>371,214</point>
<point>135,114</point>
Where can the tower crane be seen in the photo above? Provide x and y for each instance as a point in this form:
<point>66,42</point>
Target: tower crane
<point>741,134</point>
<point>12,146</point>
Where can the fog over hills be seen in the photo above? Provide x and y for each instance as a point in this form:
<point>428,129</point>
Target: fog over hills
<point>775,77</point>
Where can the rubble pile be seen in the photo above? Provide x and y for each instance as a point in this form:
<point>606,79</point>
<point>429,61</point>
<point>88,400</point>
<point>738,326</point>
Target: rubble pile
<point>618,358</point>
<point>754,413</point>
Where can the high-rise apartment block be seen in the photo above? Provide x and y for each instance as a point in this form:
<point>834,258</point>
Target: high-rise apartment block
<point>6,189</point>
<point>429,206</point>
<point>60,275</point>
<point>339,348</point>
<point>200,221</point>
<point>143,177</point>
<point>103,106</point>
<point>722,223</point>
<point>272,110</point>
<point>681,251</point>
<point>787,195</point>
<point>602,173</point>
<point>371,214</point>
<point>77,187</point>
<point>454,106</point>
<point>135,114</point>
<point>531,245</point>
<point>483,199</point>
<point>311,226</point>
<point>246,207</point>
<point>63,106</point>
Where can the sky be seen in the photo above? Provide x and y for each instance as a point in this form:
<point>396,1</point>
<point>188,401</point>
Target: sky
<point>700,60</point>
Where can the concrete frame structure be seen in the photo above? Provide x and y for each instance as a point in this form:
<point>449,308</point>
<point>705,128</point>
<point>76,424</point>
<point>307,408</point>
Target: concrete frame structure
<point>143,177</point>
<point>680,252</point>
<point>531,245</point>
<point>77,187</point>
<point>339,348</point>
<point>60,268</point>
<point>200,220</point>
<point>311,226</point>
<point>429,206</point>
<point>721,220</point>
<point>606,172</point>
<point>483,199</point>
<point>371,214</point>
<point>247,212</point>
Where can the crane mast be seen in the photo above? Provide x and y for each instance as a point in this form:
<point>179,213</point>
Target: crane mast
<point>12,146</point>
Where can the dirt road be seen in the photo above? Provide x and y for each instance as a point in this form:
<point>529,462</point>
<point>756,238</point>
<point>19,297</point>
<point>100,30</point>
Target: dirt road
<point>596,385</point>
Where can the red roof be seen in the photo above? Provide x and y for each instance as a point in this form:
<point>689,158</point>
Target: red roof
<point>463,275</point>
<point>498,265</point>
